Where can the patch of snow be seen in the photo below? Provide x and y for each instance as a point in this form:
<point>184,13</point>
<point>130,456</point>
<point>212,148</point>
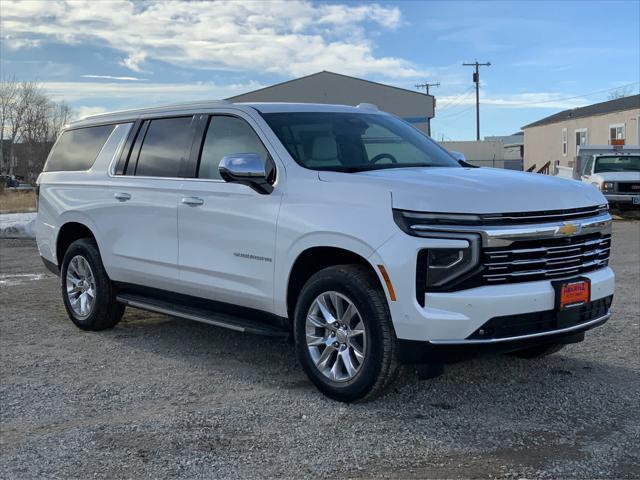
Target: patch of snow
<point>11,280</point>
<point>18,225</point>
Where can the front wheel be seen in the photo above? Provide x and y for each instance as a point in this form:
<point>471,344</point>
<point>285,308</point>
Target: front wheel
<point>343,334</point>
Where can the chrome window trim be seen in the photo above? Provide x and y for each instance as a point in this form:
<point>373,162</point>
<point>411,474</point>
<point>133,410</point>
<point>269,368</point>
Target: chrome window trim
<point>580,326</point>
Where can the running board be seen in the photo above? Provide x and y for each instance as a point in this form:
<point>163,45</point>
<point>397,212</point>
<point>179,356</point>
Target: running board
<point>218,319</point>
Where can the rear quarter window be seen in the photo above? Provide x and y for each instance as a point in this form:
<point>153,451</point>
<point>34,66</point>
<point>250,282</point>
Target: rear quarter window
<point>78,149</point>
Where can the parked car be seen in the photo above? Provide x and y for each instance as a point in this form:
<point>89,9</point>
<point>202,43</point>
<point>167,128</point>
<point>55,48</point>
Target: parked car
<point>343,228</point>
<point>614,170</point>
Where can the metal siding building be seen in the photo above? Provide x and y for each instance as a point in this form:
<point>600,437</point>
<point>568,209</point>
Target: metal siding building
<point>555,138</point>
<point>334,88</point>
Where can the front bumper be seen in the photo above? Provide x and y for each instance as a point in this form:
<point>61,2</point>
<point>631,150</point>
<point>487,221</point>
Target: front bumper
<point>452,317</point>
<point>621,199</point>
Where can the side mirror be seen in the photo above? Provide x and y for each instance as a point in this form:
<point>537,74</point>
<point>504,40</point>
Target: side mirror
<point>461,159</point>
<point>247,169</point>
<point>459,156</point>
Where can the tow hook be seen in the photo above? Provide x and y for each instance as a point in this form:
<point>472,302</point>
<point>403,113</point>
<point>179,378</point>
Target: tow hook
<point>429,370</point>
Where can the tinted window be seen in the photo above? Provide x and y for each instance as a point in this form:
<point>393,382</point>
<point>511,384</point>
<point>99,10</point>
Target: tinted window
<point>165,144</point>
<point>618,164</point>
<point>226,136</point>
<point>352,142</point>
<point>78,149</point>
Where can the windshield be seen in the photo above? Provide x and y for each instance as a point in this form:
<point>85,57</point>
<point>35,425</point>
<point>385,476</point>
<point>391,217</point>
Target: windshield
<point>355,142</point>
<point>625,163</point>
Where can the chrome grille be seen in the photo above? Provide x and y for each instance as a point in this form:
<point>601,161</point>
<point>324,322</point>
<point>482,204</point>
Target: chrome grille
<point>629,187</point>
<point>545,259</point>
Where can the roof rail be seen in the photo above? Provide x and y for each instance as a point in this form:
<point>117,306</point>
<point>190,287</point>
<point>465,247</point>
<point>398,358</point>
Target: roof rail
<point>159,107</point>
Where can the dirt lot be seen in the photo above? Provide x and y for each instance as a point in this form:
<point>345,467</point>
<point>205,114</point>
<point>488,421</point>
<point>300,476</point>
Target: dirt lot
<point>161,397</point>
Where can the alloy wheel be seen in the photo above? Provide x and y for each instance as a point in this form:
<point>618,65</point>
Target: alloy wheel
<point>336,336</point>
<point>81,286</point>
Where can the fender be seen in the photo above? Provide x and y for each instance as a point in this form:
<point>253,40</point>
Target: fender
<point>312,240</point>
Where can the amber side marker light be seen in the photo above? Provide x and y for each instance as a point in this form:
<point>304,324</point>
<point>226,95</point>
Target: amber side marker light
<point>387,280</point>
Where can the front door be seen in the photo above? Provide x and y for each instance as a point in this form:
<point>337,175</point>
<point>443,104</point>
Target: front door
<point>227,231</point>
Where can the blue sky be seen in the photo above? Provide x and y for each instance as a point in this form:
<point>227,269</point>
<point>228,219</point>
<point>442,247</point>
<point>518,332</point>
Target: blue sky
<point>545,55</point>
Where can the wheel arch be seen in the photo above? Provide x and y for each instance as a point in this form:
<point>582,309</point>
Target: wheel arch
<point>70,232</point>
<point>316,258</point>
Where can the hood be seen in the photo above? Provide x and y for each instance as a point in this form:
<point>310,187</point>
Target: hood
<point>476,190</point>
<point>618,176</point>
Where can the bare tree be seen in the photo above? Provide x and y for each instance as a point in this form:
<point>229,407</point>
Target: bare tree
<point>30,122</point>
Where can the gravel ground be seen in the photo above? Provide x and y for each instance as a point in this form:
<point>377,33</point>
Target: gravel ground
<point>161,397</point>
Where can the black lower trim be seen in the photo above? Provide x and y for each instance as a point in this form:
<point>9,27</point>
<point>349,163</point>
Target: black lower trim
<point>541,322</point>
<point>52,267</point>
<point>165,296</point>
<point>416,352</point>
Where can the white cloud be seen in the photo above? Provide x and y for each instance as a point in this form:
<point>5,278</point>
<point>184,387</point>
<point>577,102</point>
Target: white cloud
<point>452,103</point>
<point>136,94</point>
<point>133,61</point>
<point>110,77</point>
<point>294,37</point>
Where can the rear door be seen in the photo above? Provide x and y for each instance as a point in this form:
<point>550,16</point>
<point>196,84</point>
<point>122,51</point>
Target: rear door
<point>227,231</point>
<point>142,230</point>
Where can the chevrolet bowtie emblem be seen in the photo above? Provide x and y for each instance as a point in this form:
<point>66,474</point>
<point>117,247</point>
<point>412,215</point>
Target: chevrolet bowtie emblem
<point>568,229</point>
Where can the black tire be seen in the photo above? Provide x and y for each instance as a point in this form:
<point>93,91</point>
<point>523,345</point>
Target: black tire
<point>538,351</point>
<point>380,365</point>
<point>106,312</point>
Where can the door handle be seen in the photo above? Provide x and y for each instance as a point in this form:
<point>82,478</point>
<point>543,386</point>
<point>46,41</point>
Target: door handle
<point>122,196</point>
<point>192,201</point>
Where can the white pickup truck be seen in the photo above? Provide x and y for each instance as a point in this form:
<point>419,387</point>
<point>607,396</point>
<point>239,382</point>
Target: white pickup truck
<point>342,228</point>
<point>614,170</point>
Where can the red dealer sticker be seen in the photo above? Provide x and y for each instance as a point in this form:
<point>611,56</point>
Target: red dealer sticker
<point>572,293</point>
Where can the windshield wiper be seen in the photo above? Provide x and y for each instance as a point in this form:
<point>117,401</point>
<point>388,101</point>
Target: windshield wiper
<point>367,168</point>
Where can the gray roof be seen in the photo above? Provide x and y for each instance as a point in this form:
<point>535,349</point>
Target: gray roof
<point>617,105</point>
<point>326,72</point>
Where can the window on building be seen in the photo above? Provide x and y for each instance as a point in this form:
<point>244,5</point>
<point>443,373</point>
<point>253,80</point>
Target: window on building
<point>616,132</point>
<point>581,138</point>
<point>564,142</point>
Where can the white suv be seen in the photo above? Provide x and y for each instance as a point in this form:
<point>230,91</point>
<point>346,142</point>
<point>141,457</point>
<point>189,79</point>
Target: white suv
<point>344,228</point>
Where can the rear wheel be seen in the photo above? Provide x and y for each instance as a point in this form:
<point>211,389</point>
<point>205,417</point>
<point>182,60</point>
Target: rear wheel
<point>343,334</point>
<point>87,291</point>
<point>538,351</point>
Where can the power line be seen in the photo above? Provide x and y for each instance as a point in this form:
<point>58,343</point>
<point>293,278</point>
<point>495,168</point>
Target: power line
<point>476,80</point>
<point>574,97</point>
<point>457,100</point>
<point>426,86</point>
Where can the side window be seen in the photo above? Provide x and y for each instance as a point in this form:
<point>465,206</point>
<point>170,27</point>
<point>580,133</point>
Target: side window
<point>166,143</point>
<point>78,149</point>
<point>225,136</point>
<point>588,166</point>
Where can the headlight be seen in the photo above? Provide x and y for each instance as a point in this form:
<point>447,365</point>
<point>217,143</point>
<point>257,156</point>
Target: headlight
<point>607,186</point>
<point>442,266</point>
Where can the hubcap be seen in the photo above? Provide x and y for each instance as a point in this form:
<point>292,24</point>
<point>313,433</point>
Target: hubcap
<point>81,286</point>
<point>336,336</point>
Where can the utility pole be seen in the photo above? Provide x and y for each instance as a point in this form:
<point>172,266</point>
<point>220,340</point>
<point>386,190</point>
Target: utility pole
<point>426,86</point>
<point>476,80</point>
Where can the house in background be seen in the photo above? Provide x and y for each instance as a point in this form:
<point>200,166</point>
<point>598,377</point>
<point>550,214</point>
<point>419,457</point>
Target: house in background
<point>333,88</point>
<point>554,140</point>
<point>504,151</point>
